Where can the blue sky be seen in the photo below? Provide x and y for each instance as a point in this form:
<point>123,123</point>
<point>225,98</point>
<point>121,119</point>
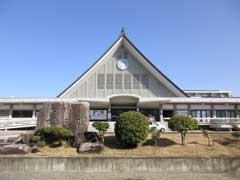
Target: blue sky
<point>45,45</point>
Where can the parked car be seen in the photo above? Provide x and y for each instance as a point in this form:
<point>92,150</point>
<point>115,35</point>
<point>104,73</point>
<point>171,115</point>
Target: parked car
<point>159,126</point>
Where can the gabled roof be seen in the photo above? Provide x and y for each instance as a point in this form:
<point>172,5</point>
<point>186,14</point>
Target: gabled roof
<point>123,37</point>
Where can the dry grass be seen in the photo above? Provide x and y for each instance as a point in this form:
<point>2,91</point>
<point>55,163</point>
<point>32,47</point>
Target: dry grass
<point>169,145</point>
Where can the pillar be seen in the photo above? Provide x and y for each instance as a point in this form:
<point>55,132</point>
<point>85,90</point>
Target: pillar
<point>161,113</point>
<point>237,111</point>
<point>213,111</point>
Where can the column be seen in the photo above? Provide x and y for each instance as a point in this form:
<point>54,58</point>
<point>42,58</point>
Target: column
<point>213,111</point>
<point>161,113</point>
<point>237,111</point>
<point>174,109</point>
<point>34,111</point>
<point>10,111</point>
<point>189,109</point>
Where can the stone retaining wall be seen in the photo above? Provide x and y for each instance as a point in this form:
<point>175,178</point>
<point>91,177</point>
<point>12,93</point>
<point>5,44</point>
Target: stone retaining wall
<point>119,164</point>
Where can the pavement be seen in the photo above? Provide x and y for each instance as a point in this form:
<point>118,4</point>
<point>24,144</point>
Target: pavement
<point>116,176</point>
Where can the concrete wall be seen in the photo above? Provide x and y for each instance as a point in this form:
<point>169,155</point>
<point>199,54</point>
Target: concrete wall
<point>119,164</point>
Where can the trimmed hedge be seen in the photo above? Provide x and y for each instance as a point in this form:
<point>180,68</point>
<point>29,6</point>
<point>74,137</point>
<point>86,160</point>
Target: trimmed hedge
<point>54,134</point>
<point>131,128</point>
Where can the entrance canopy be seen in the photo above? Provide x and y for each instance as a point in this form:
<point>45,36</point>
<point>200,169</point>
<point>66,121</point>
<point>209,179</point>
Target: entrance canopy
<point>124,100</point>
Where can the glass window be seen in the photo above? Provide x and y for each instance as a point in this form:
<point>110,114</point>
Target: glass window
<point>109,81</point>
<point>167,113</point>
<point>98,114</point>
<point>127,81</point>
<point>100,81</point>
<point>201,113</point>
<point>152,112</point>
<point>182,112</point>
<point>220,114</point>
<point>118,81</point>
<point>4,113</point>
<point>22,114</point>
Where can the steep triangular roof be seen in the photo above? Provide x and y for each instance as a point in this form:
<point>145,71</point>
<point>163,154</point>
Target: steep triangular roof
<point>147,63</point>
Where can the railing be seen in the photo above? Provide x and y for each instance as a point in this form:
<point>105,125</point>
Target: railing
<point>13,123</point>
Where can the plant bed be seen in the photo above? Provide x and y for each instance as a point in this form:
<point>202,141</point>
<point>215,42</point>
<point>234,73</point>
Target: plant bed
<point>168,145</point>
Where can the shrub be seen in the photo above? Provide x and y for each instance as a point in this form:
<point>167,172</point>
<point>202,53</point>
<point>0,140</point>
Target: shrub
<point>54,134</point>
<point>236,135</point>
<point>35,139</point>
<point>155,134</point>
<point>206,135</point>
<point>102,128</point>
<point>41,143</point>
<point>131,128</point>
<point>182,124</point>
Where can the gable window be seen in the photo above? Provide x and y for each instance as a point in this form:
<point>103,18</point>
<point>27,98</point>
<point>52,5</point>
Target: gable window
<point>145,81</point>
<point>109,81</point>
<point>136,81</point>
<point>100,81</point>
<point>127,81</point>
<point>118,81</point>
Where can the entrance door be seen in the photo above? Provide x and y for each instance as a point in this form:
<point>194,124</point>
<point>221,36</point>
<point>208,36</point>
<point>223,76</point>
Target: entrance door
<point>115,113</point>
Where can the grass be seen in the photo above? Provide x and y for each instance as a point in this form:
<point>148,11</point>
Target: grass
<point>169,145</point>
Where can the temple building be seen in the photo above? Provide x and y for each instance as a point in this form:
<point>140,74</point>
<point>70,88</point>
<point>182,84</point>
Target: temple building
<point>123,79</point>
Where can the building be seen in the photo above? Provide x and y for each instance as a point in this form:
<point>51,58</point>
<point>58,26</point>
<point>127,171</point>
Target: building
<point>123,79</point>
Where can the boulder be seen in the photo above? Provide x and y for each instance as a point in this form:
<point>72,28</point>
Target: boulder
<point>15,149</point>
<point>34,149</point>
<point>90,147</point>
<point>70,115</point>
<point>23,138</point>
<point>92,137</point>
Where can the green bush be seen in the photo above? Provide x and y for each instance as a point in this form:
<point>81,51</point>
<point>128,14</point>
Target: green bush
<point>102,128</point>
<point>54,134</point>
<point>182,124</point>
<point>35,139</point>
<point>155,134</point>
<point>41,143</point>
<point>131,128</point>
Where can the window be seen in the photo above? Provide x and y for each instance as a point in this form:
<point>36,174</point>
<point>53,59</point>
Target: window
<point>127,81</point>
<point>145,81</point>
<point>182,112</point>
<point>136,80</point>
<point>100,81</point>
<point>152,112</point>
<point>4,113</point>
<point>201,114</point>
<point>109,81</point>
<point>118,81</point>
<point>225,114</point>
<point>22,114</point>
<point>98,114</point>
<point>167,113</point>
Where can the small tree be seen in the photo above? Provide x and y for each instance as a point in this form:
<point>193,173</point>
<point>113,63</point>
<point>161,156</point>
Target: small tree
<point>131,128</point>
<point>182,124</point>
<point>155,134</point>
<point>206,135</point>
<point>102,128</point>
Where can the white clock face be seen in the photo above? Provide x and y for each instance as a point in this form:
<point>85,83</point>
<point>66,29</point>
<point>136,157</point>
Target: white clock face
<point>122,64</point>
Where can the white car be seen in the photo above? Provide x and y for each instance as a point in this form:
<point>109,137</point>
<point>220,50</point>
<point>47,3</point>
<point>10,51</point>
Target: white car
<point>161,127</point>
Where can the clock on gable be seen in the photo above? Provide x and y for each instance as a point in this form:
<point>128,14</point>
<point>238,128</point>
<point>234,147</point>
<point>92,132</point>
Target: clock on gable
<point>122,63</point>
